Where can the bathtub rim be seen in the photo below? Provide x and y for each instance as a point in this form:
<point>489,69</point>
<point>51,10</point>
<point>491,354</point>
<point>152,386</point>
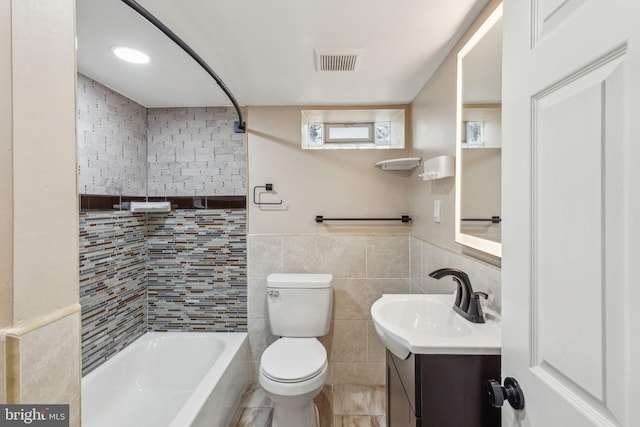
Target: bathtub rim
<point>191,408</point>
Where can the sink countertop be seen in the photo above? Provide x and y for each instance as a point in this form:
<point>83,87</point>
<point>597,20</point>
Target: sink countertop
<point>427,324</point>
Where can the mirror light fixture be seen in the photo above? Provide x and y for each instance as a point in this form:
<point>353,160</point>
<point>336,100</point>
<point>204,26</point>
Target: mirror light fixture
<point>130,55</point>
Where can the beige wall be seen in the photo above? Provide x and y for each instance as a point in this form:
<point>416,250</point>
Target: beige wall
<point>481,182</point>
<point>434,134</point>
<point>432,245</point>
<point>6,181</point>
<point>38,209</point>
<point>365,259</point>
<point>317,182</point>
<point>44,158</point>
<point>6,171</point>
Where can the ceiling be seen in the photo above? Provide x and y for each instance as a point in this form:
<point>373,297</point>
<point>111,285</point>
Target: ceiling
<point>264,50</point>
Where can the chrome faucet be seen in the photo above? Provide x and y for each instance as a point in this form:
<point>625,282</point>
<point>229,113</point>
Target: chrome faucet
<point>467,303</point>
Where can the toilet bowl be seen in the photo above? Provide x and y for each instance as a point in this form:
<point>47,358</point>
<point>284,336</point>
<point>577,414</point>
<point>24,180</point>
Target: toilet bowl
<point>294,368</point>
<point>293,372</point>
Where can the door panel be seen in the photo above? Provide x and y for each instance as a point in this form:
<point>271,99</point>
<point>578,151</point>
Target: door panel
<point>571,86</point>
<point>571,259</point>
<point>548,15</point>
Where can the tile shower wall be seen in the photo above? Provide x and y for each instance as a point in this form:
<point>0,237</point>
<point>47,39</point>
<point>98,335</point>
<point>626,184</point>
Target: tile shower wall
<point>363,267</point>
<point>112,141</point>
<point>197,271</point>
<point>192,269</point>
<point>127,149</point>
<point>180,271</point>
<point>113,282</point>
<point>194,152</point>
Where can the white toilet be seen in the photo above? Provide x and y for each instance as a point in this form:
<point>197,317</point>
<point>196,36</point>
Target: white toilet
<point>294,369</point>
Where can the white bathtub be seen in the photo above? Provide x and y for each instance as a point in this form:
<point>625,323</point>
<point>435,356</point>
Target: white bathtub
<point>173,379</point>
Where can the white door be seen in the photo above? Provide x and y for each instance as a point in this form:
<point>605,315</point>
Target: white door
<point>571,204</point>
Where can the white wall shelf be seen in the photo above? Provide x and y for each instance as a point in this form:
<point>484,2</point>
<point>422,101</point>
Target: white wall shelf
<point>402,164</point>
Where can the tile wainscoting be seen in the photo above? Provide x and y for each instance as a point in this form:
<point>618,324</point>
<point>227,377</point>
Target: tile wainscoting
<point>363,267</point>
<point>426,258</point>
<point>43,361</point>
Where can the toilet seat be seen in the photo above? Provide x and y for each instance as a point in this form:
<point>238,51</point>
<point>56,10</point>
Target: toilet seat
<point>293,360</point>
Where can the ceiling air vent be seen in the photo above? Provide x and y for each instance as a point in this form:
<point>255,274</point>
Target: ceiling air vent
<point>338,59</point>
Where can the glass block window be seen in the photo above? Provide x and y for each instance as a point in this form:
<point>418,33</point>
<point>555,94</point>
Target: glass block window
<point>353,128</point>
<point>383,133</point>
<point>316,134</point>
<point>474,134</point>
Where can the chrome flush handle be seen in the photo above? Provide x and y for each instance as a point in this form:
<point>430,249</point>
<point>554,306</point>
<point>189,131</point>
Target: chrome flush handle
<point>273,293</point>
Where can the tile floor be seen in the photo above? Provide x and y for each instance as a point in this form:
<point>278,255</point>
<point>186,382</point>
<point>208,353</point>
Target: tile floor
<point>341,405</point>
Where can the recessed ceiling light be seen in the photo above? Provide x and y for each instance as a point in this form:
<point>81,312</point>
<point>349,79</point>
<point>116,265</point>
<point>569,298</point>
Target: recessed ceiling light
<point>130,55</point>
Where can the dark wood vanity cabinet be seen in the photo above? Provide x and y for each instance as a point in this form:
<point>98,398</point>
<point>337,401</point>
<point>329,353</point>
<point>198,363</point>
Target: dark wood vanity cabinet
<point>439,390</point>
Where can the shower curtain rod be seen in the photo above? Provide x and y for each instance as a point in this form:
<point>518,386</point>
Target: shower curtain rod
<point>239,126</point>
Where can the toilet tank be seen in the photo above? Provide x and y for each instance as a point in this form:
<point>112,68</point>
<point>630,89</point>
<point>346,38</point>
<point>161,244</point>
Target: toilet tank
<point>299,305</point>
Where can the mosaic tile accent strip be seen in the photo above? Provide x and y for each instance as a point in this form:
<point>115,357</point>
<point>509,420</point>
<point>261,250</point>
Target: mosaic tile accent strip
<point>197,271</point>
<point>112,141</point>
<point>194,152</point>
<point>113,281</point>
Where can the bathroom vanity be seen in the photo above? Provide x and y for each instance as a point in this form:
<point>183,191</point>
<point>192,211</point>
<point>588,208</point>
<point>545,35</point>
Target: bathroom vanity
<point>437,361</point>
<point>441,390</point>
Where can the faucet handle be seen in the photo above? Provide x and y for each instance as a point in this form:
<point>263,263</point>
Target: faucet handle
<point>475,308</point>
<point>480,294</point>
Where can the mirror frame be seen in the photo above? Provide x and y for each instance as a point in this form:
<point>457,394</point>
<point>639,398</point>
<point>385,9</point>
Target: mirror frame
<point>477,243</point>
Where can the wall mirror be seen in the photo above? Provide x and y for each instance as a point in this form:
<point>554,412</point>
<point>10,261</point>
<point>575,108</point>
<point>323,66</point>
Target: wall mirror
<point>478,139</point>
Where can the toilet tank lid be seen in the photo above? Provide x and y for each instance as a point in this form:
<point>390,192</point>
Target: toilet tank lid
<point>299,281</point>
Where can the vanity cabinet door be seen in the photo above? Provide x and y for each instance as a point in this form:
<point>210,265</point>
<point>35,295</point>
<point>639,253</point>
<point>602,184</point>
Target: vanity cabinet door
<point>399,413</point>
<point>406,370</point>
<point>439,390</point>
<point>452,392</point>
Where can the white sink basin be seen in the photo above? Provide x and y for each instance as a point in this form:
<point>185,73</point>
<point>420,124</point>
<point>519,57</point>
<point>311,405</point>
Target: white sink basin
<point>427,324</point>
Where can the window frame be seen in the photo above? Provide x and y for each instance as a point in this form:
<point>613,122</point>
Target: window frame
<point>327,133</point>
